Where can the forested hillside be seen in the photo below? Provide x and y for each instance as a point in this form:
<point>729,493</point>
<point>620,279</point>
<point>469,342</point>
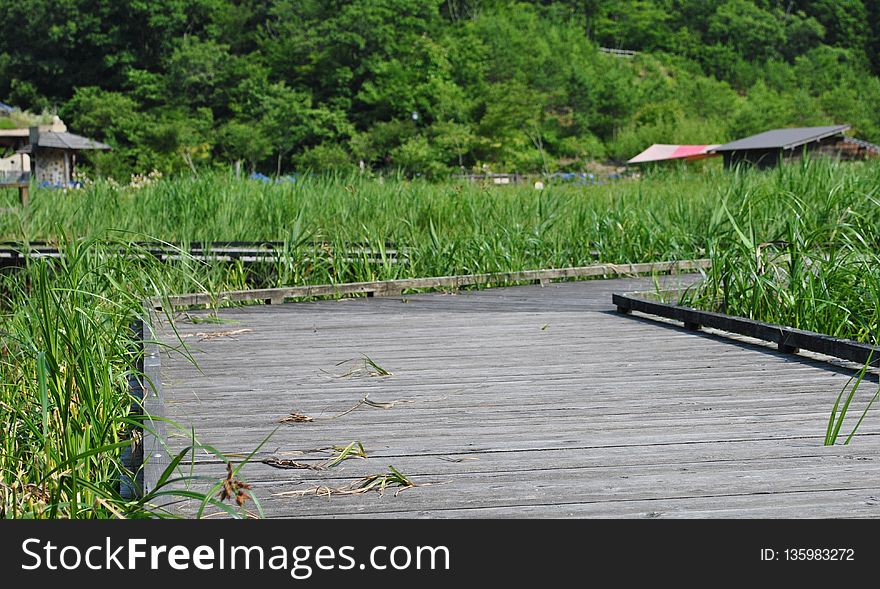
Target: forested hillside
<point>432,86</point>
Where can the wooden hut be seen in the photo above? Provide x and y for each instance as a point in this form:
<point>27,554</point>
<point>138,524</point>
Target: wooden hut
<point>44,154</point>
<point>53,155</point>
<point>773,147</point>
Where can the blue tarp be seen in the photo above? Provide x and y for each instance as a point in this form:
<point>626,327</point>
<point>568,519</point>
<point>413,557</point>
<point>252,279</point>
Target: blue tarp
<point>264,178</point>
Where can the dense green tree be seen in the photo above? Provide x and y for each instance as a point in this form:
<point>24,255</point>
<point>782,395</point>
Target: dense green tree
<point>433,86</point>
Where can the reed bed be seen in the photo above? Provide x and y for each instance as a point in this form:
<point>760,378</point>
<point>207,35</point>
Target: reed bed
<point>452,228</point>
<point>803,255</point>
<point>795,246</point>
<point>67,354</point>
<point>460,227</point>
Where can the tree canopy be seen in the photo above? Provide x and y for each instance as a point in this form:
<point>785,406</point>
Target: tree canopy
<point>433,86</point>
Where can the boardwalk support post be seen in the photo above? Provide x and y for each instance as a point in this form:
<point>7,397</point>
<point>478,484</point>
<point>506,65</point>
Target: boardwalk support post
<point>786,349</point>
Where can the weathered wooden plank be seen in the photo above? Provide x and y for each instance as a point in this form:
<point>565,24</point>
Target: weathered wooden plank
<point>431,462</point>
<point>686,478</point>
<point>478,407</point>
<point>492,439</point>
<point>765,482</point>
<point>803,504</point>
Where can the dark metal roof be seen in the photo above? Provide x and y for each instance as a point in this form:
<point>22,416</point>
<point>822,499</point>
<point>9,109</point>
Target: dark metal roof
<point>69,141</point>
<point>783,138</point>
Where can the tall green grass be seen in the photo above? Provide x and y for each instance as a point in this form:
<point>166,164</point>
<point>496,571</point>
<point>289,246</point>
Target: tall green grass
<point>449,228</point>
<point>803,254</point>
<point>459,227</point>
<point>66,356</point>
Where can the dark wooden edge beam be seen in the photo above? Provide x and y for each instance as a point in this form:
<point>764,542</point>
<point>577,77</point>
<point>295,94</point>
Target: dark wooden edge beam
<point>131,482</point>
<point>156,457</point>
<point>147,457</point>
<point>788,339</point>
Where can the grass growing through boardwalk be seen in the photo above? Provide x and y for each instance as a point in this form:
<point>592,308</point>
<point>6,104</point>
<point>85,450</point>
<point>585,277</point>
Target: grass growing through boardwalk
<point>839,411</point>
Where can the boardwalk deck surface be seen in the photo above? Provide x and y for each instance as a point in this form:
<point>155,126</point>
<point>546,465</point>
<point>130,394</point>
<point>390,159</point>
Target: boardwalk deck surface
<point>519,402</point>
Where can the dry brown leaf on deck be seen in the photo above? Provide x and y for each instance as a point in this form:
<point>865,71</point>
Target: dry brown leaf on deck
<point>303,452</point>
<point>322,490</point>
<point>354,489</point>
<point>350,490</point>
<point>290,464</point>
<point>295,417</point>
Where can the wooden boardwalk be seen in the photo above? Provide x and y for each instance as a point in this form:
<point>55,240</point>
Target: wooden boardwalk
<point>519,402</point>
